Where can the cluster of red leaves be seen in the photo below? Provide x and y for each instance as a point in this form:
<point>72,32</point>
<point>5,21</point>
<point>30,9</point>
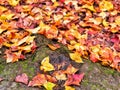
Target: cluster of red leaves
<point>89,27</point>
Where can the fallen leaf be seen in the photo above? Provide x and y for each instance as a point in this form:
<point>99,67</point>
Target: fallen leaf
<point>76,57</point>
<point>23,78</point>
<point>49,86</point>
<point>69,88</point>
<point>70,70</point>
<point>45,65</point>
<point>38,80</point>
<point>105,5</point>
<point>74,79</point>
<point>59,75</point>
<point>53,46</point>
<point>13,2</point>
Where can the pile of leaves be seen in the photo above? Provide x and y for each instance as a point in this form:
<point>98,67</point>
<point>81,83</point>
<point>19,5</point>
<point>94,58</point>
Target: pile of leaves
<point>88,27</point>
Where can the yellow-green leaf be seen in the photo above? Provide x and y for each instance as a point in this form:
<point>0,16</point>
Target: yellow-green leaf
<point>49,86</point>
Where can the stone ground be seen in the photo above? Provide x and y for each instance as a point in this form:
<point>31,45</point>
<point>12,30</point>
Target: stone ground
<point>97,77</point>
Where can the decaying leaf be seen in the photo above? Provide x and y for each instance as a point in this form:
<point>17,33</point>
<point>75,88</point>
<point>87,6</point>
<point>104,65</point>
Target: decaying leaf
<point>45,65</point>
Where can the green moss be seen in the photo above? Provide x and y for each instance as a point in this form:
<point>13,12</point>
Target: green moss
<point>109,71</point>
<point>1,68</point>
<point>85,82</point>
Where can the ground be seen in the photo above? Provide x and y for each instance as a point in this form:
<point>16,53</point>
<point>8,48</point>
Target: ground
<point>97,77</point>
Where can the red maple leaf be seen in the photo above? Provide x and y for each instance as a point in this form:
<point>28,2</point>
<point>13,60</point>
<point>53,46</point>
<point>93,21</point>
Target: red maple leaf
<point>74,79</point>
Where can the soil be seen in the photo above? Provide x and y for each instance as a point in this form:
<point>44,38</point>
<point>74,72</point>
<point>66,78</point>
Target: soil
<point>97,77</point>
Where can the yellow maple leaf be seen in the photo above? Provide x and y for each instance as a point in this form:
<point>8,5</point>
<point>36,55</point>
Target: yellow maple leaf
<point>69,88</point>
<point>106,5</point>
<point>45,65</point>
<point>13,2</point>
<point>117,20</point>
<point>90,7</point>
<point>7,16</point>
<point>76,57</point>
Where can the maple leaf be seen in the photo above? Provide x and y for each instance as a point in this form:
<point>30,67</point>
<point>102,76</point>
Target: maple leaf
<point>70,70</point>
<point>94,57</point>
<point>74,79</point>
<point>45,65</point>
<point>38,80</point>
<point>105,5</point>
<point>23,78</point>
<point>69,88</point>
<point>49,85</point>
<point>59,75</point>
<point>12,57</point>
<point>41,79</point>
<point>13,2</point>
<point>76,57</point>
<point>117,20</point>
<point>53,46</point>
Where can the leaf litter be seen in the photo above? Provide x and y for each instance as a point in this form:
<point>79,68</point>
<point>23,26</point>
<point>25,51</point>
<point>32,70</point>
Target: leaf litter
<point>91,29</point>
